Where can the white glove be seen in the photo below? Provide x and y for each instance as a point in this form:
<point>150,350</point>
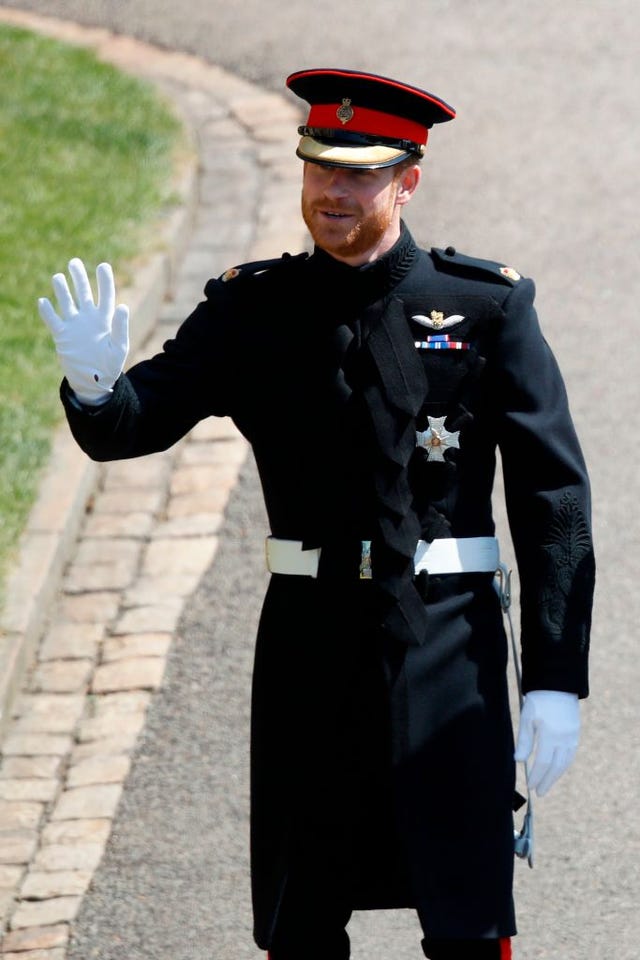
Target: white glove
<point>92,339</point>
<point>550,723</point>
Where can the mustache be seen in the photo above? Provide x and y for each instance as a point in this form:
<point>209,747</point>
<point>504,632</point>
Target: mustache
<point>332,207</point>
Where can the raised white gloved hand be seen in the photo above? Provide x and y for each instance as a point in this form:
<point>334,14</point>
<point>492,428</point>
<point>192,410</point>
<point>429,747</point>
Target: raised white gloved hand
<point>550,726</point>
<point>92,339</point>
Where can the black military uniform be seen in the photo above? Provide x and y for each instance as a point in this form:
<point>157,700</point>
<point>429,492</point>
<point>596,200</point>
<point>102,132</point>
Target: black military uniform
<point>374,399</point>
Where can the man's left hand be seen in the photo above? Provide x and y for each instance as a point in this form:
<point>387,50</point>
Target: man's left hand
<point>549,730</point>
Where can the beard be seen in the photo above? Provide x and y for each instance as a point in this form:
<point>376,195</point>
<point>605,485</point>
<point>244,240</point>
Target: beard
<point>349,240</point>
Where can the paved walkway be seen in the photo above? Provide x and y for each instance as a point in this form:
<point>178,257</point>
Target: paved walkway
<point>113,552</point>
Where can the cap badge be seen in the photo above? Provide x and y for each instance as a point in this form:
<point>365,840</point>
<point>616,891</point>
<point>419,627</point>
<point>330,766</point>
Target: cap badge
<point>345,112</point>
<point>436,439</point>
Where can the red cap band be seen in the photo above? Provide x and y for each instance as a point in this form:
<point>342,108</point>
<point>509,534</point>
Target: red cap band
<point>366,121</point>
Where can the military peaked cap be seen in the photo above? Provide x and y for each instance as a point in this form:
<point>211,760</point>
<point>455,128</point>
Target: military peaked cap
<point>362,119</point>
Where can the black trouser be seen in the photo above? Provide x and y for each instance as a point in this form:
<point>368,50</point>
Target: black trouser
<point>314,928</point>
<point>467,949</point>
<point>310,926</point>
<point>338,949</point>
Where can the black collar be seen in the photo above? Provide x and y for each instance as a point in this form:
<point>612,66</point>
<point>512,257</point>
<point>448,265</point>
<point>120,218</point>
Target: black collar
<point>371,281</point>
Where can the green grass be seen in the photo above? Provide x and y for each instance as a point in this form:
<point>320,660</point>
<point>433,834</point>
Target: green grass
<point>86,158</point>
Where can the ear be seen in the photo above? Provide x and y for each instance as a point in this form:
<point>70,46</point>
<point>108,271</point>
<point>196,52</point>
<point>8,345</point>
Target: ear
<point>408,182</point>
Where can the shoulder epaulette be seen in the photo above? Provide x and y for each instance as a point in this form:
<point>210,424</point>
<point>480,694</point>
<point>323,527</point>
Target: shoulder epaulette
<point>255,267</point>
<point>473,267</point>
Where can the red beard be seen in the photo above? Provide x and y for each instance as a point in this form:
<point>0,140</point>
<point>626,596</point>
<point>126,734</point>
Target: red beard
<point>356,236</point>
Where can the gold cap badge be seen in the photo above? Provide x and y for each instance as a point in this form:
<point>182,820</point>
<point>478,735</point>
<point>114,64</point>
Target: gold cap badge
<point>345,112</point>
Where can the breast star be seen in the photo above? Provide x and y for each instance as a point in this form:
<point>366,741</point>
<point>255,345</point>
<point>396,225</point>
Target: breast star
<point>436,439</point>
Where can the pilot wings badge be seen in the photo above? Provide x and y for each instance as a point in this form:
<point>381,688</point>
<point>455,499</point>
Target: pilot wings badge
<point>437,320</point>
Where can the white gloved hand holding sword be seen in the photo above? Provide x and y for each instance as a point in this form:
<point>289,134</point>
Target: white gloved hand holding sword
<point>91,338</point>
<point>548,736</point>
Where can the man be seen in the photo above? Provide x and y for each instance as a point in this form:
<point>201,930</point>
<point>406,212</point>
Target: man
<point>375,382</point>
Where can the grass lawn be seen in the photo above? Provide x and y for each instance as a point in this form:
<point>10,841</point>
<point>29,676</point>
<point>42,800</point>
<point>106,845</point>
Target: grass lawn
<point>86,157</point>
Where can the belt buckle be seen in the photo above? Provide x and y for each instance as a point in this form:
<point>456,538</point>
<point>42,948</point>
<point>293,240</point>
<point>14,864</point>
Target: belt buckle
<point>366,572</point>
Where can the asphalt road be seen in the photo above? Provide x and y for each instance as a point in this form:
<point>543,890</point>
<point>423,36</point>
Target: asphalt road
<point>539,170</point>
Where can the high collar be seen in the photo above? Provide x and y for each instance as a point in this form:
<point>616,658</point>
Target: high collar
<point>371,280</point>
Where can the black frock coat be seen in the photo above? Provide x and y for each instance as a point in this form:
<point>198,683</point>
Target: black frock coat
<point>382,748</point>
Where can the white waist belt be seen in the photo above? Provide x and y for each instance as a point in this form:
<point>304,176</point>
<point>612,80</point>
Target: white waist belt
<point>450,555</point>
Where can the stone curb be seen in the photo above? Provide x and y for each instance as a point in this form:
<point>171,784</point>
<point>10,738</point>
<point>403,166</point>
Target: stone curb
<point>69,477</point>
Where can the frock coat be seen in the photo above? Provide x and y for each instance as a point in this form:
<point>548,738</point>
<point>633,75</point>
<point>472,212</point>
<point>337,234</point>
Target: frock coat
<point>381,746</point>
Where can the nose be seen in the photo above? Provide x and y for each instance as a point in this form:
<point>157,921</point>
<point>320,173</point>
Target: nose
<point>336,184</point>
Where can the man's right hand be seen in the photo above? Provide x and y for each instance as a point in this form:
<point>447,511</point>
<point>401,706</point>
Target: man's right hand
<point>92,339</point>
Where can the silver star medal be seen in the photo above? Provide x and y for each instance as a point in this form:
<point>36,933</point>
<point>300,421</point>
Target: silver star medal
<point>436,439</point>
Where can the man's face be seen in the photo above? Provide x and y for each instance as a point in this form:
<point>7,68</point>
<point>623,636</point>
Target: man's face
<point>353,214</point>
